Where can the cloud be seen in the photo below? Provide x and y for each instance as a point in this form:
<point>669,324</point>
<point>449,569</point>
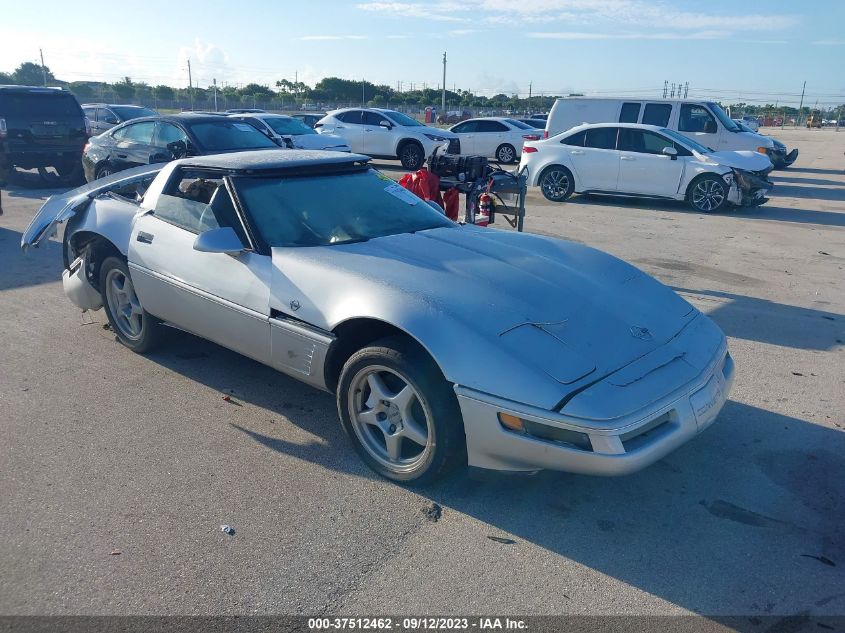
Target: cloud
<point>327,38</point>
<point>588,35</point>
<point>438,11</point>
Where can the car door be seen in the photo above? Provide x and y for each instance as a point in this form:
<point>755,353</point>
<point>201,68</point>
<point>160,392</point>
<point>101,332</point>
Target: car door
<point>106,120</point>
<point>644,168</point>
<point>466,134</point>
<point>377,138</point>
<point>698,123</point>
<point>349,127</point>
<point>220,297</point>
<point>596,164</point>
<point>134,145</point>
<point>489,135</point>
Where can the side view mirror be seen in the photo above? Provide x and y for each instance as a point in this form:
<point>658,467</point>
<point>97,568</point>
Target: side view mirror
<point>671,152</point>
<point>223,240</point>
<point>179,149</point>
<point>386,124</point>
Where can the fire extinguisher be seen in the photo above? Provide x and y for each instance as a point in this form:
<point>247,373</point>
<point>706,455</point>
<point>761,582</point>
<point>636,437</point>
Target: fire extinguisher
<point>485,206</point>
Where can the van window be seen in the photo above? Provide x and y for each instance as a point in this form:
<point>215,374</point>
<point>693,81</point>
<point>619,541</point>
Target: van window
<point>576,139</point>
<point>601,137</point>
<point>630,113</point>
<point>696,118</point>
<point>657,114</point>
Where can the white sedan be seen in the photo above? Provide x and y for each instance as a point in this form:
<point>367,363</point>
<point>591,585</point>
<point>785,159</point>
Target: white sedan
<point>290,132</point>
<point>495,137</point>
<point>645,161</point>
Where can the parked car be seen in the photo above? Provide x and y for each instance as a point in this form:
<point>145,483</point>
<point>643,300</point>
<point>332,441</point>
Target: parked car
<point>703,121</point>
<point>455,116</point>
<point>581,363</point>
<point>540,115</point>
<point>309,118</point>
<point>289,132</point>
<point>645,160</point>
<point>42,128</point>
<point>387,134</point>
<point>245,111</point>
<point>104,116</point>
<point>537,124</point>
<point>751,122</point>
<point>500,138</point>
<point>161,139</point>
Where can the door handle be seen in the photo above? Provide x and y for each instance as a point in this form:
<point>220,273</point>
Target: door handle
<point>121,155</point>
<point>576,152</point>
<point>145,238</point>
<point>627,158</point>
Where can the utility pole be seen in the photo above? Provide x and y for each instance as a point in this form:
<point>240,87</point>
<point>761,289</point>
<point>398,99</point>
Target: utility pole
<point>190,85</point>
<point>443,96</point>
<point>665,87</point>
<point>215,94</point>
<point>363,96</point>
<point>802,101</point>
<point>529,95</point>
<point>43,68</point>
<point>686,89</point>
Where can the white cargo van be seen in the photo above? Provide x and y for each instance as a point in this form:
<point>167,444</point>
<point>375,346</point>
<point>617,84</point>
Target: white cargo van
<point>702,121</point>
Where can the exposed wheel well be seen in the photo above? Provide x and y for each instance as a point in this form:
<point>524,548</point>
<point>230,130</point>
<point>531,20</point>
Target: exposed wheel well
<point>96,248</point>
<point>352,336</point>
<point>405,141</point>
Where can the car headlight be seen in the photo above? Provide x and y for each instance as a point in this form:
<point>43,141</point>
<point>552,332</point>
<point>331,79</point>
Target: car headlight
<point>434,137</point>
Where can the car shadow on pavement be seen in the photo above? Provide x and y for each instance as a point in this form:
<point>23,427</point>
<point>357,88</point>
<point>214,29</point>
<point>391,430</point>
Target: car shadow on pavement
<point>812,170</point>
<point>746,517</point>
<point>810,192</point>
<point>808,181</point>
<point>754,319</point>
<point>17,270</point>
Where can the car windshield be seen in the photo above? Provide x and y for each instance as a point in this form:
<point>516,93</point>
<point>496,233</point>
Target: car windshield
<point>288,125</point>
<point>402,119</point>
<point>226,135</point>
<point>686,141</point>
<point>519,124</point>
<point>132,112</point>
<point>727,121</point>
<point>324,210</point>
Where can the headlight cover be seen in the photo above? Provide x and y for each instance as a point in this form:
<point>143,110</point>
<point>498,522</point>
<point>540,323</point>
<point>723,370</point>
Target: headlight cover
<point>434,137</point>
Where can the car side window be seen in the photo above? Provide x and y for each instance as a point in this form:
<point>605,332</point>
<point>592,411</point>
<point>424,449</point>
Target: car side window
<point>106,116</point>
<point>696,118</point>
<point>490,126</point>
<point>657,114</point>
<point>353,117</point>
<point>630,113</point>
<point>91,113</point>
<point>168,133</point>
<point>601,137</point>
<point>198,202</point>
<point>576,139</point>
<point>464,128</point>
<point>141,133</point>
<point>372,118</point>
<point>646,142</point>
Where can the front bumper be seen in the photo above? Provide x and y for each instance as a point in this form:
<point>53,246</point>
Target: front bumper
<point>748,189</point>
<point>780,158</point>
<point>33,157</point>
<point>624,446</point>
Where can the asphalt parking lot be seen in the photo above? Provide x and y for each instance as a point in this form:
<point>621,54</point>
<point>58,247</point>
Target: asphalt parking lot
<point>117,470</point>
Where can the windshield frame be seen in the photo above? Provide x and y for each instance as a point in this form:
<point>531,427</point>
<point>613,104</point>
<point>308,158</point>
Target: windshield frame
<point>394,116</point>
<point>727,122</point>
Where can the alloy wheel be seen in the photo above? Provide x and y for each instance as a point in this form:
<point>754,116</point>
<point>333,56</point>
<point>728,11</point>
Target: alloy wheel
<point>555,184</point>
<point>123,302</point>
<point>708,195</point>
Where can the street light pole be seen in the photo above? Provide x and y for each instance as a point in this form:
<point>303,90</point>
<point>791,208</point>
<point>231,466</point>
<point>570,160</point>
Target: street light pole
<point>443,96</point>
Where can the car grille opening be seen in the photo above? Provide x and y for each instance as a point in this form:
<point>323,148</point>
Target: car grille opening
<point>648,432</point>
<point>454,146</point>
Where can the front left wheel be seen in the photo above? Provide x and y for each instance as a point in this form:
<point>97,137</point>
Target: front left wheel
<point>400,412</point>
<point>411,156</point>
<point>134,327</point>
<point>708,194</point>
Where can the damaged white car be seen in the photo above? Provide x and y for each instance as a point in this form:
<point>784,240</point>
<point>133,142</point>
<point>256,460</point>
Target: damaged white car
<point>629,159</point>
<point>444,344</point>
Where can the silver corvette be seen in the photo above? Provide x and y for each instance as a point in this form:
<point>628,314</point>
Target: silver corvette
<point>444,344</point>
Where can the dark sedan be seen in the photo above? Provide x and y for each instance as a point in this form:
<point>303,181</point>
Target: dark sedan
<point>538,124</point>
<point>164,138</point>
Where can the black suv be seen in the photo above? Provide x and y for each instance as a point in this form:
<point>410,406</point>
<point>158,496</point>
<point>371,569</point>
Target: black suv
<point>41,128</point>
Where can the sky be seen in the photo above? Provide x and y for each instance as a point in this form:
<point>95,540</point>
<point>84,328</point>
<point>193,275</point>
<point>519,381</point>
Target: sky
<point>751,51</point>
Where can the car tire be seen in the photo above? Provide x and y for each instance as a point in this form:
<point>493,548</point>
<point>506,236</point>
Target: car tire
<point>708,194</point>
<point>137,329</point>
<point>557,183</point>
<point>411,155</point>
<point>400,412</point>
<point>103,171</point>
<point>506,154</point>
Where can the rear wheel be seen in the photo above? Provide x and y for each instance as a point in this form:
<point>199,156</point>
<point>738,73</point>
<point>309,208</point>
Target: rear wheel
<point>134,327</point>
<point>411,156</point>
<point>103,171</point>
<point>556,183</point>
<point>506,154</point>
<point>708,194</point>
<point>400,412</point>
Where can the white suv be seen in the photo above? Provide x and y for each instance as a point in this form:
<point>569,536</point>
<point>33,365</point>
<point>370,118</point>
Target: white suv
<point>387,134</point>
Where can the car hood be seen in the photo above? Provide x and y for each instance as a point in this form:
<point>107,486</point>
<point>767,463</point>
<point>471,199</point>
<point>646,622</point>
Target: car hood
<point>566,310</point>
<point>319,141</point>
<point>425,129</point>
<point>745,160</point>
